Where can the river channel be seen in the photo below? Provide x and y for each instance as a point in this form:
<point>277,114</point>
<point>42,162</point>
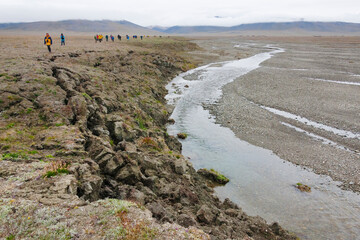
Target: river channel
<point>260,182</point>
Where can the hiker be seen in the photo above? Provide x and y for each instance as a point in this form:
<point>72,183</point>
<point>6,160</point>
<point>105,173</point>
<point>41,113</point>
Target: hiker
<point>101,37</point>
<point>62,37</point>
<point>107,38</point>
<point>127,37</point>
<point>141,37</point>
<point>119,37</point>
<point>48,41</point>
<point>112,38</point>
<point>96,38</point>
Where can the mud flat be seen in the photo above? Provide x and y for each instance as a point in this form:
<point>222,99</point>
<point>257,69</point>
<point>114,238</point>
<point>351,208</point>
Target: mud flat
<point>303,104</point>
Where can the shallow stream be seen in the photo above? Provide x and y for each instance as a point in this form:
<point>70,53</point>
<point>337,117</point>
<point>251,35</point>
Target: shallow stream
<point>260,182</point>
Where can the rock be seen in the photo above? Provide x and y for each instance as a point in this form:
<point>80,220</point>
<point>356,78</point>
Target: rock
<point>113,165</point>
<point>182,135</point>
<point>232,212</point>
<point>173,143</point>
<point>126,192</point>
<point>99,131</point>
<point>303,187</point>
<point>114,117</point>
<point>180,166</point>
<point>157,210</point>
<point>151,181</point>
<point>102,154</point>
<point>205,215</point>
<point>103,161</point>
<point>229,204</point>
<point>150,196</point>
<point>188,197</point>
<point>65,185</point>
<point>276,228</point>
<point>149,163</point>
<point>130,147</point>
<point>66,200</point>
<point>221,219</point>
<point>170,191</point>
<point>130,174</point>
<point>90,187</point>
<point>136,196</point>
<point>213,176</point>
<point>118,131</point>
<point>186,220</point>
<point>121,146</point>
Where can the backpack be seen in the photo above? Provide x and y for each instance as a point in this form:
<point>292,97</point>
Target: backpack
<point>48,41</point>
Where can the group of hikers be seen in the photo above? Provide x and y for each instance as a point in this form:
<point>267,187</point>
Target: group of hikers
<point>100,37</point>
<point>48,41</point>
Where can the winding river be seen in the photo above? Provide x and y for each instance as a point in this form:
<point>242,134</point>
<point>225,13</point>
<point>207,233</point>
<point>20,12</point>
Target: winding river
<point>260,182</point>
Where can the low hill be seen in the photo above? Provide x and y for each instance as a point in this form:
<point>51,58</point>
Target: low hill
<point>78,26</point>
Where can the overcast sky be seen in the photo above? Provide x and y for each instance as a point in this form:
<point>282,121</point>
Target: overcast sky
<point>184,12</point>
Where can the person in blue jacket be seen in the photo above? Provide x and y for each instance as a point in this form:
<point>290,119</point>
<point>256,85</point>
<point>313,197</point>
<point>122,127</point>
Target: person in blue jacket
<point>48,41</point>
<point>62,37</point>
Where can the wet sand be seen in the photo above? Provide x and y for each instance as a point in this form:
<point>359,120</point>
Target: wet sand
<point>314,78</point>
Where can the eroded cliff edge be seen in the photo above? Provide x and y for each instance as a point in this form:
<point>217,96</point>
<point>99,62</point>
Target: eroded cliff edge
<point>99,113</point>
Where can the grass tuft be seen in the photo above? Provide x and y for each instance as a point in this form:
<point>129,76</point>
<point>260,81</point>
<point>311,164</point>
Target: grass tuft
<point>55,168</point>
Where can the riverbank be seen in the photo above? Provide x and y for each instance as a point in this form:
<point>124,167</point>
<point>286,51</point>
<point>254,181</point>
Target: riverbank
<point>85,125</point>
<point>306,80</point>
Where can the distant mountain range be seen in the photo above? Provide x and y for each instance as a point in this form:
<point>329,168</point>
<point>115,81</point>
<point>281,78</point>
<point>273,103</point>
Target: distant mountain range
<point>328,27</point>
<point>79,26</point>
<point>126,27</point>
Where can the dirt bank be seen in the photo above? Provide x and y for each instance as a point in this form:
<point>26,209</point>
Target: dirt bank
<point>86,123</point>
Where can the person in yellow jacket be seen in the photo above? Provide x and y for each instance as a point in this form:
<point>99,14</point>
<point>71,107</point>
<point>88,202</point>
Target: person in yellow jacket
<point>48,41</point>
